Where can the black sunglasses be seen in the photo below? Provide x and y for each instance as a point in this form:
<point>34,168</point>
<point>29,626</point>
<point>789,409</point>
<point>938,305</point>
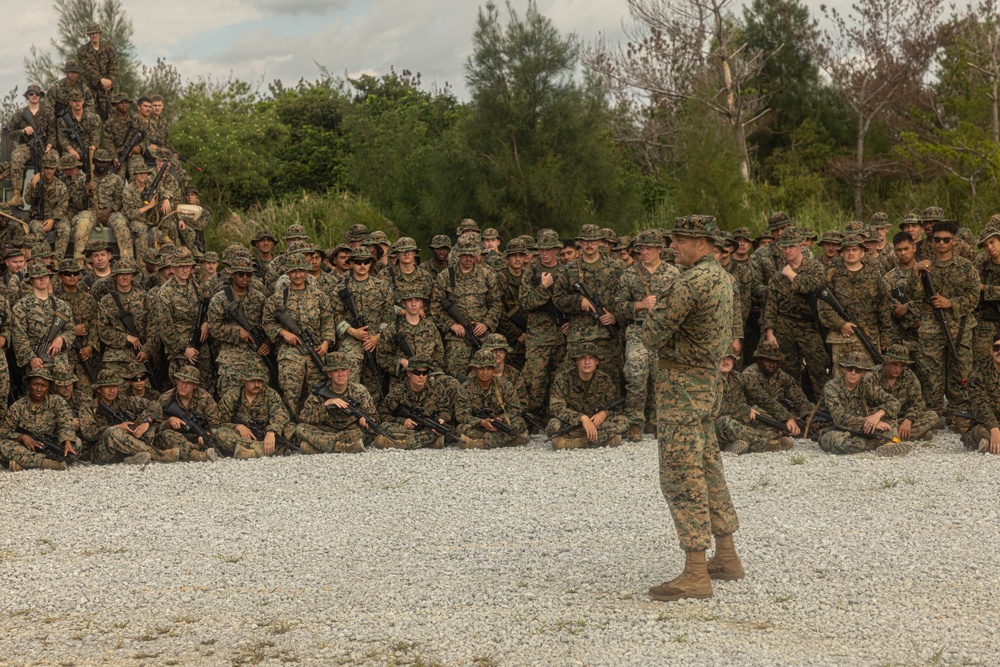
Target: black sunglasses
<point>138,378</point>
<point>996,347</point>
<point>242,274</point>
<point>421,371</point>
<point>943,239</point>
<point>362,261</point>
<point>853,369</point>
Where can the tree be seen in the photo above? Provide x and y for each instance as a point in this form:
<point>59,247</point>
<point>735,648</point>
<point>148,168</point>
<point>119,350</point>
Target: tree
<point>877,57</point>
<point>43,67</point>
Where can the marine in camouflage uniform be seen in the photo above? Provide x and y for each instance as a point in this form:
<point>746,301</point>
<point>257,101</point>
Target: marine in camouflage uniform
<point>768,260</point>
<point>373,300</point>
<point>137,383</point>
<point>175,314</point>
<point>904,317</point>
<point>441,249</point>
<point>84,426</point>
<point>767,374</point>
<point>957,281</point>
<point>98,63</point>
<point>57,95</point>
<point>85,316</point>
<point>407,276</point>
<point>236,351</point>
<point>497,344</point>
<point>638,289</point>
<point>39,413</point>
<point>325,428</point>
<point>925,249</point>
<point>509,277</point>
<point>600,275</point>
<point>142,217</point>
<point>78,118</point>
<point>105,208</point>
<point>129,437</point>
<point>16,128</point>
<point>788,317</point>
<point>119,351</point>
<point>583,396</point>
<point>415,392</point>
<point>916,422</point>
<point>984,403</point>
<point>49,201</point>
<point>256,404</point>
<point>311,310</point>
<point>497,397</point>
<point>861,292</point>
<point>119,130</point>
<point>690,332</point>
<point>76,187</point>
<point>420,332</point>
<point>743,398</point>
<point>5,343</point>
<point>32,318</point>
<point>851,407</point>
<point>200,405</point>
<point>988,312</point>
<point>475,291</point>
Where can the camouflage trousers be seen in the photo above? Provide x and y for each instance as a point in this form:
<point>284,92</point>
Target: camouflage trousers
<point>83,225</point>
<point>612,426</point>
<point>924,426</point>
<point>456,356</point>
<point>13,450</point>
<point>360,370</point>
<point>800,342</point>
<point>171,439</point>
<point>413,439</point>
<point>296,374</point>
<point>692,478</point>
<point>348,441</point>
<point>232,365</point>
<point>62,229</point>
<point>542,361</point>
<point>144,235</point>
<point>729,430</point>
<point>971,437</point>
<point>640,366</point>
<point>114,443</point>
<point>19,158</point>
<point>836,441</point>
<point>941,374</point>
<point>483,439</point>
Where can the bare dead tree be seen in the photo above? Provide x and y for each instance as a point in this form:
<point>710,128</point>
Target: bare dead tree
<point>982,48</point>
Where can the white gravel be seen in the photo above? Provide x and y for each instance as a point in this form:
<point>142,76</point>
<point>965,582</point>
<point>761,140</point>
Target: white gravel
<point>513,557</point>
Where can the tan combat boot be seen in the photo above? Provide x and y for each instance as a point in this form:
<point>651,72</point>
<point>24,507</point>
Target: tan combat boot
<point>16,201</point>
<point>49,464</point>
<point>14,466</point>
<point>894,448</point>
<point>725,564</point>
<point>307,448</point>
<point>693,582</point>
<point>140,459</point>
<point>244,453</point>
<point>470,443</point>
<point>355,447</point>
<point>165,455</point>
<point>635,433</point>
<point>615,441</point>
<point>562,442</point>
<point>208,455</point>
<point>738,447</point>
<point>779,445</point>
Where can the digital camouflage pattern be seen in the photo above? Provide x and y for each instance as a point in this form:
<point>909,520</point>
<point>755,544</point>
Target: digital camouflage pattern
<point>431,399</point>
<point>90,131</point>
<point>268,410</point>
<point>849,408</point>
<point>234,356</point>
<point>52,418</point>
<point>545,343</point>
<point>201,406</point>
<point>333,430</point>
<point>501,399</point>
<point>741,392</point>
<point>31,320</point>
<point>97,64</point>
<point>864,296</point>
<point>477,296</point>
<point>57,95</point>
<point>118,354</point>
<point>114,443</point>
<point>908,393</point>
<point>573,397</point>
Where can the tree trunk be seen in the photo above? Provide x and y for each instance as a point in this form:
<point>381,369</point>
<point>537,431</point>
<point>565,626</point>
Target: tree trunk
<point>996,112</point>
<point>859,165</point>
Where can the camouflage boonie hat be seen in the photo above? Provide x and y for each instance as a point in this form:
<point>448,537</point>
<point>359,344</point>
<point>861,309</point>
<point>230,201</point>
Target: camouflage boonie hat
<point>440,241</point>
<point>897,353</point>
<point>72,66</point>
<point>695,225</point>
<point>134,370</point>
<point>41,251</point>
<point>336,361</point>
<point>808,233</point>
<point>515,247</point>
<point>768,350</point>
<point>34,88</point>
<point>75,95</point>
<point>408,292</point>
<point>530,244</point>
<point>119,97</point>
<point>490,233</point>
<point>624,243</point>
<point>854,227</point>
<point>857,360</point>
<point>13,251</point>
<point>722,238</point>
<point>210,256</point>
<point>152,256</point>
<point>182,257</point>
<point>69,161</point>
<point>377,237</point>
<point>483,359</point>
<point>108,378</point>
<point>879,220</point>
<point>586,348</point>
<point>50,161</point>
<point>589,233</point>
<point>466,248</point>
<point>766,236</point>
<point>343,247</point>
<point>649,238</point>
<point>851,240</point>
<point>911,218</point>
<point>66,266</point>
<point>263,234</point>
<point>162,154</point>
<point>239,264</point>
<point>136,165</point>
<point>608,234</point>
<point>357,232</point>
<point>419,361</point>
<point>467,225</point>
<point>791,237</point>
<point>495,341</point>
<point>994,220</point>
<point>295,232</point>
<point>254,372</point>
<point>188,374</point>
<point>45,372</point>
<point>124,265</point>
<point>406,244</point>
<point>742,233</point>
<point>37,269</point>
<point>93,27</point>
<point>988,232</point>
<point>932,214</point>
<point>102,155</point>
<point>361,252</point>
<point>778,220</point>
<point>191,190</point>
<point>296,262</point>
<point>832,236</point>
<point>548,239</point>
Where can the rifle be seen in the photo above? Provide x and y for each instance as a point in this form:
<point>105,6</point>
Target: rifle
<point>930,292</point>
<point>824,294</point>
<point>58,322</point>
<point>899,294</point>
<point>194,338</point>
<point>191,424</point>
<point>50,448</point>
<point>307,343</point>
<point>129,323</point>
<point>820,415</point>
<point>257,338</point>
<point>517,316</point>
<point>359,323</point>
<point>128,146</point>
<point>323,391</point>
<point>471,339</point>
<point>150,190</point>
<point>258,427</point>
<point>37,146</point>
<point>183,159</point>
<point>569,427</point>
<point>498,424</point>
<point>403,343</point>
<point>427,421</point>
<point>116,417</point>
<point>583,291</point>
<point>75,133</point>
<point>90,365</point>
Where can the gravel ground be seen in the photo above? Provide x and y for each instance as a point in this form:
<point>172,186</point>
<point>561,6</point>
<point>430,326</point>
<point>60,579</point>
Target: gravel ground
<point>516,557</point>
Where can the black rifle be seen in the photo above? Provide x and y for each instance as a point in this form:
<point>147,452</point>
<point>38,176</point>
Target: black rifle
<point>76,134</point>
<point>307,343</point>
<point>257,338</point>
<point>150,190</point>
<point>129,323</point>
<point>191,424</point>
<point>126,149</point>
<point>115,417</point>
<point>471,339</point>
<point>402,342</point>
<point>194,338</point>
<point>819,415</point>
<point>58,322</point>
<point>428,421</point>
<point>37,145</point>
<point>51,449</point>
<point>569,427</point>
<point>322,390</point>
<point>582,290</point>
<point>930,292</point>
<point>773,423</point>
<point>258,427</point>
<point>497,423</point>
<point>90,365</point>
<point>183,159</point>
<point>824,294</point>
<point>359,323</point>
<point>899,295</point>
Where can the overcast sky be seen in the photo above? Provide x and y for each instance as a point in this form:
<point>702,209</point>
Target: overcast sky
<point>263,40</point>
